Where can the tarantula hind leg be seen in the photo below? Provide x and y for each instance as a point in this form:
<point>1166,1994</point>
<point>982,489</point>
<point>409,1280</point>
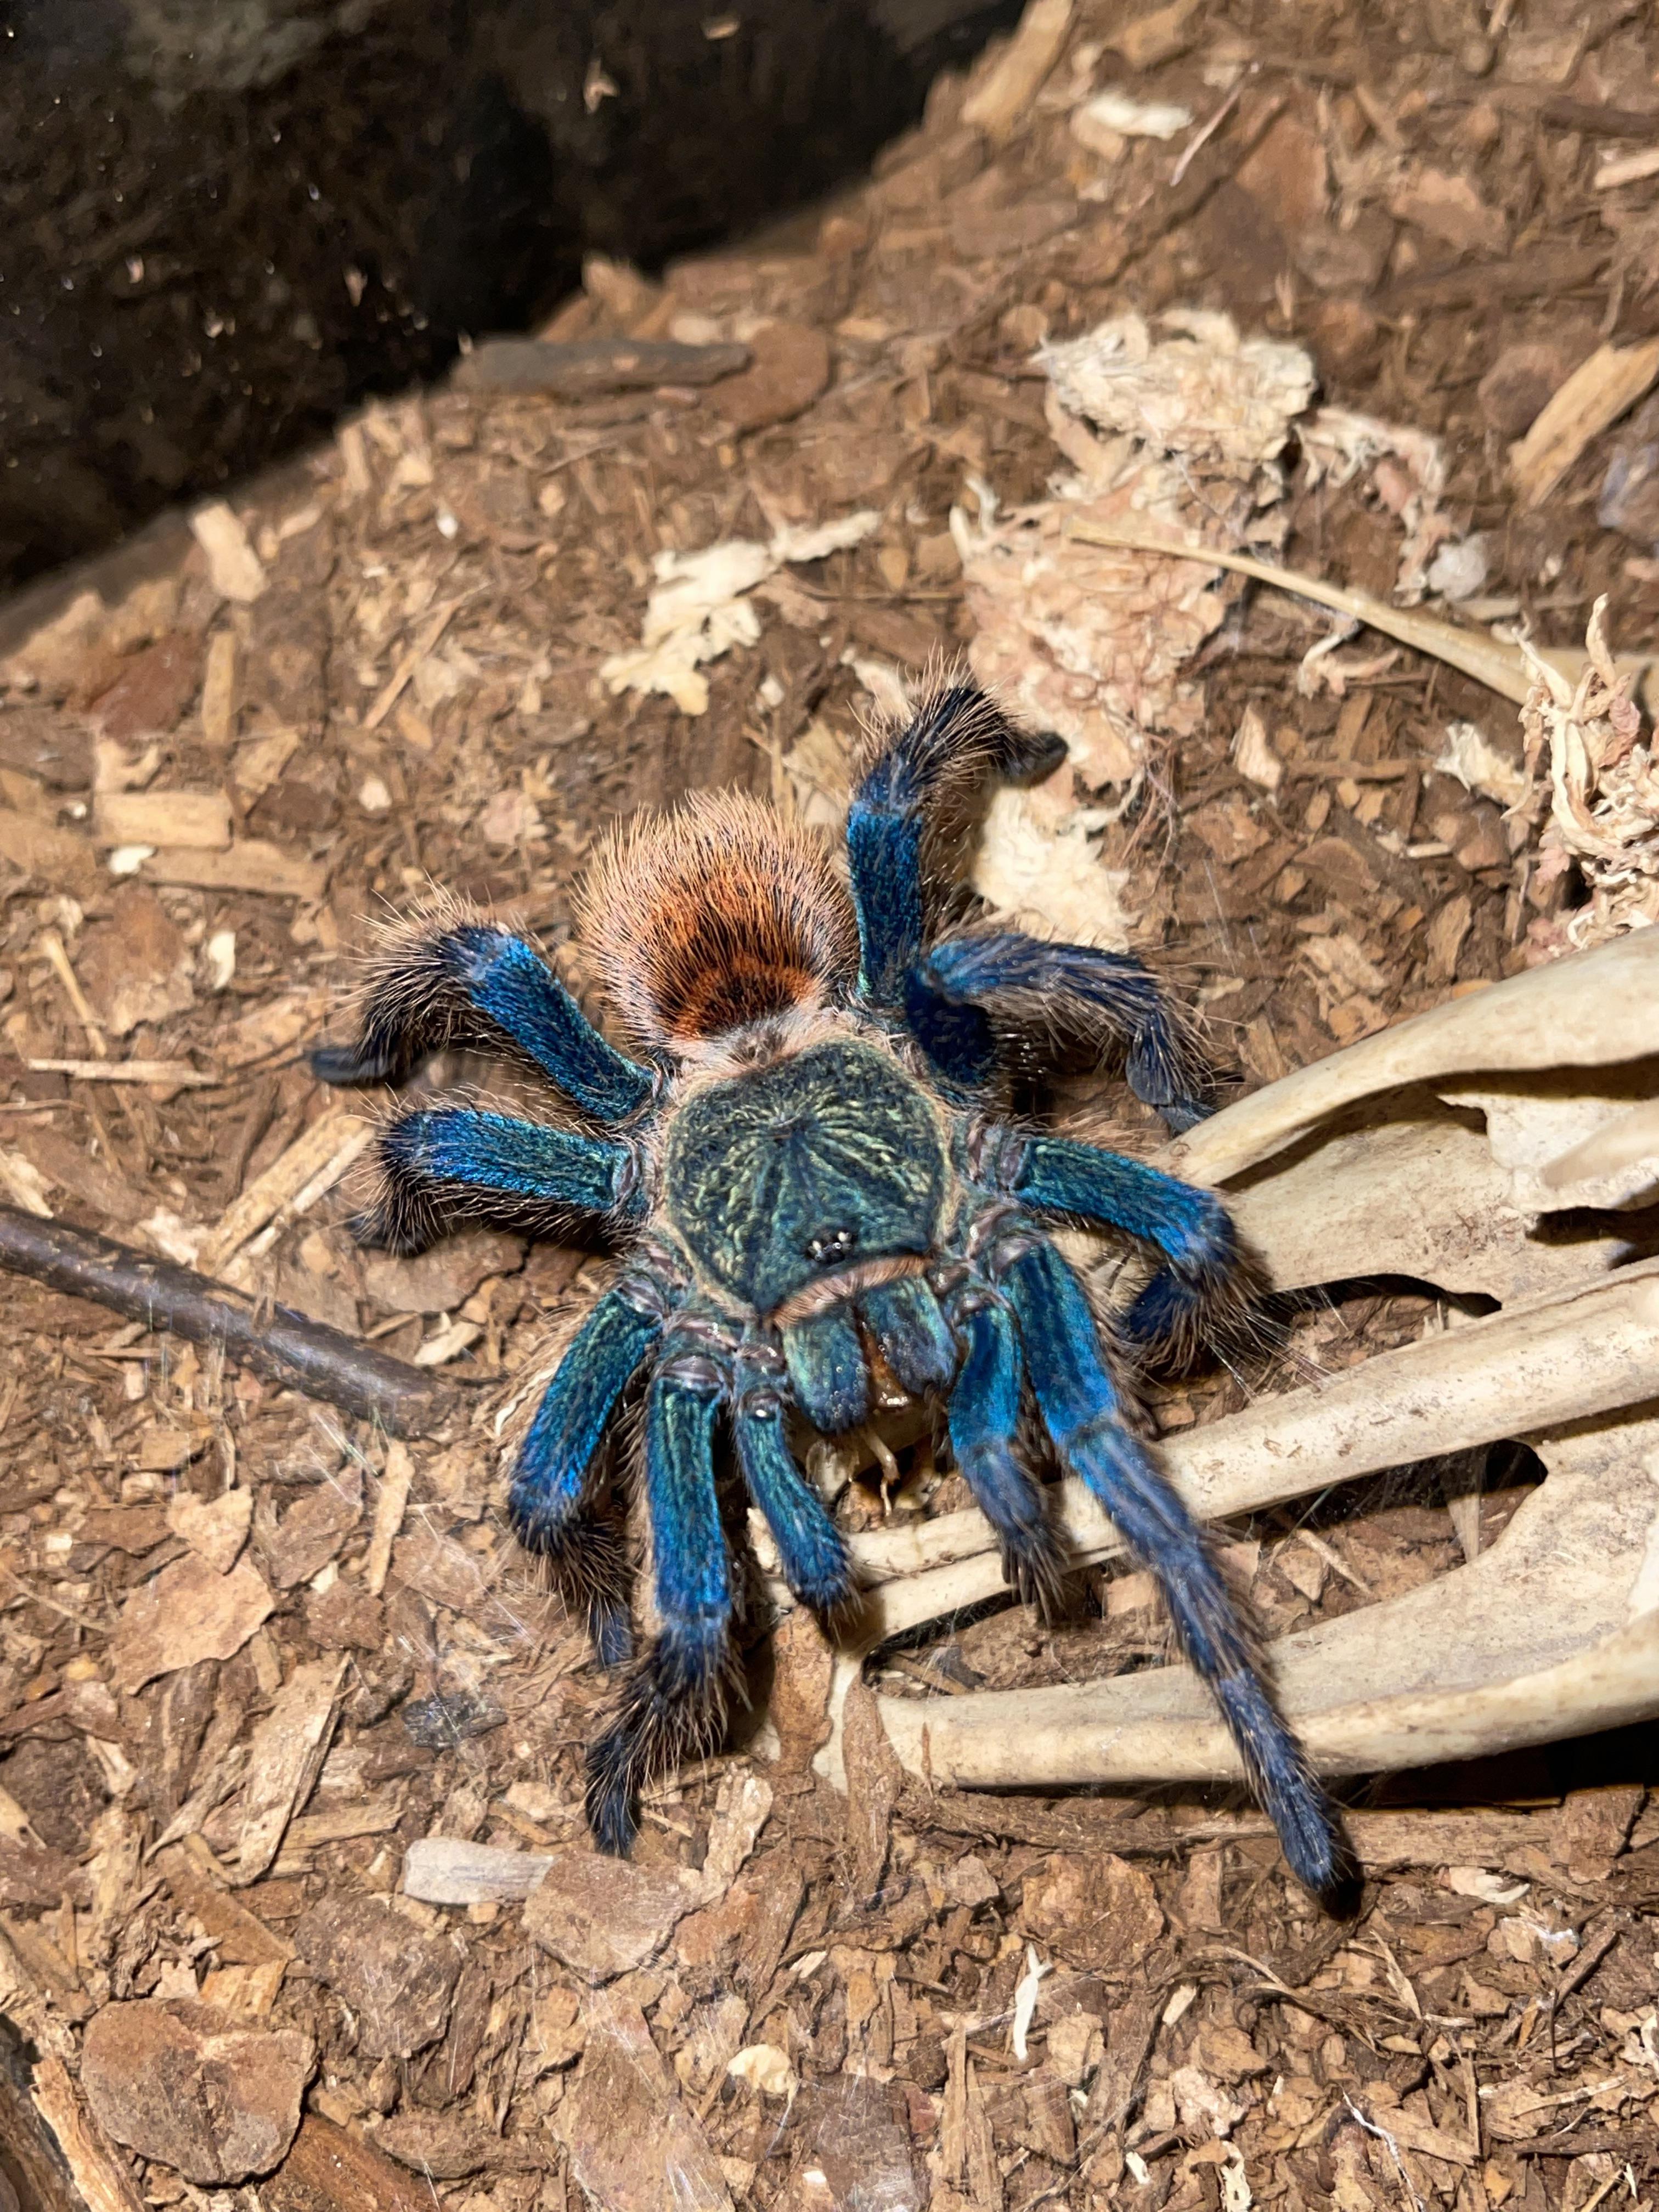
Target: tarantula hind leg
<point>1082,995</point>
<point>1080,1409</point>
<point>550,1506</point>
<point>956,739</point>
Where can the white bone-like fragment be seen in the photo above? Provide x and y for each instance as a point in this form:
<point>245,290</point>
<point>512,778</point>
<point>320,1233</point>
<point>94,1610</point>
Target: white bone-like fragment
<point>1554,1630</point>
<point>1532,1368</point>
<point>1421,1197</point>
<point>1593,1010</point>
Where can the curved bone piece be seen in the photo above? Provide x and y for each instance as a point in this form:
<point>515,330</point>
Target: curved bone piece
<point>1592,1010</point>
<point>1553,1630</point>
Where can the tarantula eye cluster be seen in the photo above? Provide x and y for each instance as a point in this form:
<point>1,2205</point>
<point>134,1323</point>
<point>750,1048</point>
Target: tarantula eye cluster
<point>806,1176</point>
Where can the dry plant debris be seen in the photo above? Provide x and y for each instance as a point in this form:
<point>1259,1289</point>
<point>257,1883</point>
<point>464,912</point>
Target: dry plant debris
<point>287,1733</point>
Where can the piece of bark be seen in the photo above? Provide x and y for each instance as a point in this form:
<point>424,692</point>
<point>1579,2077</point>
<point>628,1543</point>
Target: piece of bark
<point>875,1782</point>
<point>241,1937</point>
<point>187,2085</point>
<point>101,2179</point>
<point>1099,1913</point>
<point>32,1876</point>
<point>790,368</point>
<point>633,2145</point>
<point>448,1870</point>
<point>853,2151</point>
<point>584,368</point>
<point>216,1528</point>
<point>1596,394</point>
<point>396,1976</point>
<point>448,2148</point>
<point>284,1759</point>
<point>604,1917</point>
<point>329,2170</point>
<point>187,1614</point>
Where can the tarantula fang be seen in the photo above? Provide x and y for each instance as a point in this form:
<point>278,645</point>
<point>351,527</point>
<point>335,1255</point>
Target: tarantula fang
<point>809,1174</point>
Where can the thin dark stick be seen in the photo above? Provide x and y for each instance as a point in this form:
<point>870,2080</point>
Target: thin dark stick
<point>275,1342</point>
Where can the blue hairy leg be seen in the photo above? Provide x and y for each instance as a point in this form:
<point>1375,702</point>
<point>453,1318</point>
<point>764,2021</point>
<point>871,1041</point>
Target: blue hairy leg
<point>1075,990</point>
<point>547,1504</point>
<point>984,1416</point>
<point>561,1442</point>
<point>477,985</point>
<point>912,1334</point>
<point>1204,1272</point>
<point>956,738</point>
<point>1080,1409</point>
<point>450,1164</point>
<point>810,1548</point>
<point>674,1697</point>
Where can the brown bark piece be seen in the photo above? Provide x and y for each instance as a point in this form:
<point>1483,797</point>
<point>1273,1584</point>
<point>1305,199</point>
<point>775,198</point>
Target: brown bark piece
<point>853,2150</point>
<point>803,1670</point>
<point>216,1528</point>
<point>329,2170</point>
<point>101,2179</point>
<point>183,2083</point>
<point>187,1613</point>
<point>153,690</point>
<point>449,2148</point>
<point>1099,1913</point>
<point>1591,1827</point>
<point>439,1280</point>
<point>310,1532</point>
<point>633,2145</point>
<point>284,1759</point>
<point>875,1782</point>
<point>242,1937</point>
<point>395,1976</point>
<point>790,368</point>
<point>603,1916</point>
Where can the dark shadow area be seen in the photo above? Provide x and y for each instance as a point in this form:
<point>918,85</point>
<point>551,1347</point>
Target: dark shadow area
<point>222,227</point>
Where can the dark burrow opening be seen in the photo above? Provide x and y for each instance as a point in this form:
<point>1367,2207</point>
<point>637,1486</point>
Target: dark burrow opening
<point>223,229</point>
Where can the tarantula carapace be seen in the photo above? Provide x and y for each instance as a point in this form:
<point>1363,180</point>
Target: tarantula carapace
<point>811,1177</point>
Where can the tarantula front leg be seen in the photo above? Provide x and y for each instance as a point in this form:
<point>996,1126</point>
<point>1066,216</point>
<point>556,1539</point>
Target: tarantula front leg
<point>674,1701</point>
<point>1080,1411</point>
<point>1203,1290</point>
<point>984,1415</point>
<point>448,1165</point>
<point>464,981</point>
<point>549,1505</point>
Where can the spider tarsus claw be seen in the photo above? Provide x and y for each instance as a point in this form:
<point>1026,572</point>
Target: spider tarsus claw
<point>1037,754</point>
<point>348,1065</point>
<point>613,1809</point>
<point>371,1232</point>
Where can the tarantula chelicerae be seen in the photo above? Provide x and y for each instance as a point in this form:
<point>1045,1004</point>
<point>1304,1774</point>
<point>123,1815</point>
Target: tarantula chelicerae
<point>811,1176</point>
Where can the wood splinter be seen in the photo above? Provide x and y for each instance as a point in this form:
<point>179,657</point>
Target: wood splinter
<point>273,1341</point>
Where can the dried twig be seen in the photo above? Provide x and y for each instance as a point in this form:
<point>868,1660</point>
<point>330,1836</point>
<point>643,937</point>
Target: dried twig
<point>1501,667</point>
<point>280,1344</point>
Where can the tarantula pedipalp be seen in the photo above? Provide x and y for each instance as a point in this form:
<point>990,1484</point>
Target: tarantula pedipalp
<point>808,1174</point>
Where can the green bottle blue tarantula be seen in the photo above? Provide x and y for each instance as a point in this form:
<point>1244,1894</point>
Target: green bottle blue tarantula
<point>810,1175</point>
